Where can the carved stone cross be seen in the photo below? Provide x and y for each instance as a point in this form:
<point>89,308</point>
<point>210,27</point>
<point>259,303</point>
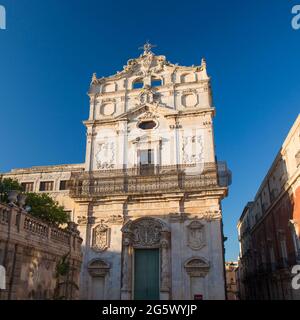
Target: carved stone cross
<point>147,47</point>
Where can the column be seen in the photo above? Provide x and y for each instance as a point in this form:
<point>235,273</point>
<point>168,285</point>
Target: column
<point>165,268</point>
<point>126,291</point>
<point>89,149</point>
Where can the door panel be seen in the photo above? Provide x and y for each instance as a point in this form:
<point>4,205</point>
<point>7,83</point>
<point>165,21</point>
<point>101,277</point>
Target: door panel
<point>98,288</point>
<point>146,274</point>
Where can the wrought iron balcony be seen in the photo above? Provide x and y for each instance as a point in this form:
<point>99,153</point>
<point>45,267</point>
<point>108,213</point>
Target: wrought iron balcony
<point>146,179</point>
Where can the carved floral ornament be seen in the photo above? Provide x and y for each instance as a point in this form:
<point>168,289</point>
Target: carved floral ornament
<point>101,237</point>
<point>145,233</point>
<point>196,235</point>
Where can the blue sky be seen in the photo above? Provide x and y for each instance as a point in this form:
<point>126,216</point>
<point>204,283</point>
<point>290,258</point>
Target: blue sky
<point>51,48</point>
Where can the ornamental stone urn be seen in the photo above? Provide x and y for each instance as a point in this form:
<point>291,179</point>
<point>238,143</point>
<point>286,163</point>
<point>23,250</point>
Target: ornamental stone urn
<point>13,196</point>
<point>72,226</point>
<point>22,200</point>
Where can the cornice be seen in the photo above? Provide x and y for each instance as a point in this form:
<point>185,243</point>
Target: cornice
<point>191,112</point>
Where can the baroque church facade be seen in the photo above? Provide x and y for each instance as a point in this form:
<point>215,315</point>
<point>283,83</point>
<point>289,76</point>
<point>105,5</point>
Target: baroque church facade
<point>147,200</point>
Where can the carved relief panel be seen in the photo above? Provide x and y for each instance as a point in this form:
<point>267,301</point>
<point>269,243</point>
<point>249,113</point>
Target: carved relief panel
<point>101,237</point>
<point>196,235</point>
<point>107,109</point>
<point>189,98</point>
<point>192,149</point>
<point>105,155</point>
<point>146,233</point>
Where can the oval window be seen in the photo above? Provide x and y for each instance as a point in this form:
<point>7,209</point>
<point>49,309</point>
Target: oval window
<point>147,125</point>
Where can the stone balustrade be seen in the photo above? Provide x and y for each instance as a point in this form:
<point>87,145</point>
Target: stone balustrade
<point>4,212</point>
<point>30,250</point>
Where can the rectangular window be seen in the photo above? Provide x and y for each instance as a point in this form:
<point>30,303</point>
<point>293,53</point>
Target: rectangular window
<point>146,157</point>
<point>63,185</point>
<point>46,186</point>
<point>27,186</point>
<point>146,162</point>
<point>69,213</point>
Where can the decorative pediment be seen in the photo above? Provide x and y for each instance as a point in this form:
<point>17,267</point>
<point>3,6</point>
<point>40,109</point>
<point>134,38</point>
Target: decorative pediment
<point>98,268</point>
<point>145,110</point>
<point>147,64</point>
<point>196,267</point>
<point>149,115</point>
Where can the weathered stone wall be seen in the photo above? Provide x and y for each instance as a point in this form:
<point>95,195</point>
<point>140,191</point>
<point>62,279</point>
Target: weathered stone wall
<point>269,231</point>
<point>30,250</point>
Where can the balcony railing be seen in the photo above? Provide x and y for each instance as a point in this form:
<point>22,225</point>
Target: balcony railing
<point>143,180</point>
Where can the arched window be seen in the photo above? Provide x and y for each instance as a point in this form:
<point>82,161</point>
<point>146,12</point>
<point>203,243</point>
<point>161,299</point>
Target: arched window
<point>138,84</point>
<point>156,82</point>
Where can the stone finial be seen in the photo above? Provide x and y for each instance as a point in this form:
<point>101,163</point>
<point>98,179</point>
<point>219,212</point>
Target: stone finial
<point>72,226</point>
<point>94,78</point>
<point>203,68</point>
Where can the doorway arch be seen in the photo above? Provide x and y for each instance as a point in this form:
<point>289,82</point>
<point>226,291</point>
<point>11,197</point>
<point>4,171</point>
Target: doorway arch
<point>142,234</point>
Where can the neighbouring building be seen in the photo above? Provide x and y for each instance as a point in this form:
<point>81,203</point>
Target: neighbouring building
<point>30,253</point>
<point>231,283</point>
<point>269,228</point>
<point>147,200</point>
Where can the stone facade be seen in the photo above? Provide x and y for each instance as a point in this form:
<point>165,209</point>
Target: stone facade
<point>269,231</point>
<point>30,251</point>
<point>231,281</point>
<point>150,181</point>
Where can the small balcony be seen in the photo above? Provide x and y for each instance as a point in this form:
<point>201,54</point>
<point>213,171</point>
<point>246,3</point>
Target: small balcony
<point>147,179</point>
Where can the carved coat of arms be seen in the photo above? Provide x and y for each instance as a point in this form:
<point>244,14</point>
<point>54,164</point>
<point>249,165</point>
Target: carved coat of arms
<point>101,235</point>
<point>196,235</point>
<point>146,233</point>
